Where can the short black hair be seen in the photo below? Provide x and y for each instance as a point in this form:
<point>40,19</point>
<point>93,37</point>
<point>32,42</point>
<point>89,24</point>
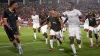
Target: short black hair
<point>53,9</point>
<point>89,8</point>
<point>71,3</point>
<point>12,2</point>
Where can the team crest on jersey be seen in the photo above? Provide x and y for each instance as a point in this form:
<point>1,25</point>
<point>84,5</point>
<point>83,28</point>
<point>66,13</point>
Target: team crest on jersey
<point>54,22</point>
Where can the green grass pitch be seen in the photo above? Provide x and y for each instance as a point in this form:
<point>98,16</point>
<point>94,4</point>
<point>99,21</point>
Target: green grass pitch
<point>39,48</point>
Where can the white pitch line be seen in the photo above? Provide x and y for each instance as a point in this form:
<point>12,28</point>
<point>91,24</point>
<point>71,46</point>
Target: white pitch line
<point>21,44</point>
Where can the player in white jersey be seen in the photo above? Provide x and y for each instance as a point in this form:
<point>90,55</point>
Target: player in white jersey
<point>36,24</point>
<point>19,19</point>
<point>73,25</point>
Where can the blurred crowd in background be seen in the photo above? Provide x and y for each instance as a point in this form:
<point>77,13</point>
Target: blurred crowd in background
<point>24,10</point>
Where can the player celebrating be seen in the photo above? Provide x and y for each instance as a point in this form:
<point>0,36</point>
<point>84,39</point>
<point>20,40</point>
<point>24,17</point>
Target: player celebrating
<point>92,27</point>
<point>73,25</point>
<point>98,22</point>
<point>43,18</point>
<point>11,25</point>
<point>36,24</point>
<point>55,23</point>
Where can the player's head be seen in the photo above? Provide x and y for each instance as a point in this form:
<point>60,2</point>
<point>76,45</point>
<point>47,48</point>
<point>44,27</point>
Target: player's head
<point>13,4</point>
<point>42,10</point>
<point>52,12</point>
<point>90,10</point>
<point>34,12</point>
<point>70,5</point>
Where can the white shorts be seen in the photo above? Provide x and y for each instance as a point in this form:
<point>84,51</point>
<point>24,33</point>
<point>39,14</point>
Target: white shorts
<point>36,26</point>
<point>93,29</point>
<point>44,29</point>
<point>86,27</point>
<point>86,24</point>
<point>75,31</point>
<point>98,28</point>
<point>58,33</point>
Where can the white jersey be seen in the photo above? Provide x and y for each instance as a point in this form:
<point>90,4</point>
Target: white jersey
<point>35,19</point>
<point>86,24</point>
<point>63,18</point>
<point>73,17</point>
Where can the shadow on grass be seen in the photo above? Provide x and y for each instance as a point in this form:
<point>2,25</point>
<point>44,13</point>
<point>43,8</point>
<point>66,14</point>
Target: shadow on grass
<point>68,51</point>
<point>13,49</point>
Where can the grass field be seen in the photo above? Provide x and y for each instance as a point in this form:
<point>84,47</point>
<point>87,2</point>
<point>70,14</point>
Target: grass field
<point>39,48</point>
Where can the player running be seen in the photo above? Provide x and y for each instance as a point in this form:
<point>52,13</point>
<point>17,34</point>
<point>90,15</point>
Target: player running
<point>55,23</point>
<point>11,25</point>
<point>98,22</point>
<point>92,27</point>
<point>36,23</point>
<point>43,23</point>
<point>73,25</point>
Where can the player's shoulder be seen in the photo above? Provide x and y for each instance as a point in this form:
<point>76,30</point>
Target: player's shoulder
<point>65,11</point>
<point>6,10</point>
<point>36,15</point>
<point>76,10</point>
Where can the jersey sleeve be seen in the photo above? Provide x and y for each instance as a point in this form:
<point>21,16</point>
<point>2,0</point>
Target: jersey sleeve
<point>79,13</point>
<point>5,15</point>
<point>64,13</point>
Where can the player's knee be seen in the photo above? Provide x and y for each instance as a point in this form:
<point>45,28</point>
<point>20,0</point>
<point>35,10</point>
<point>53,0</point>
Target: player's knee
<point>78,41</point>
<point>90,34</point>
<point>58,39</point>
<point>14,41</point>
<point>34,30</point>
<point>71,40</point>
<point>15,36</point>
<point>39,29</point>
<point>96,36</point>
<point>51,36</point>
<point>45,34</point>
<point>55,37</point>
<point>18,40</point>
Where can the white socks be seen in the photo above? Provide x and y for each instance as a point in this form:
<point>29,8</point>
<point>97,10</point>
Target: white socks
<point>34,35</point>
<point>51,43</point>
<point>73,48</point>
<point>18,46</point>
<point>91,40</point>
<point>46,40</point>
<point>87,34</point>
<point>58,43</point>
<point>19,27</point>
